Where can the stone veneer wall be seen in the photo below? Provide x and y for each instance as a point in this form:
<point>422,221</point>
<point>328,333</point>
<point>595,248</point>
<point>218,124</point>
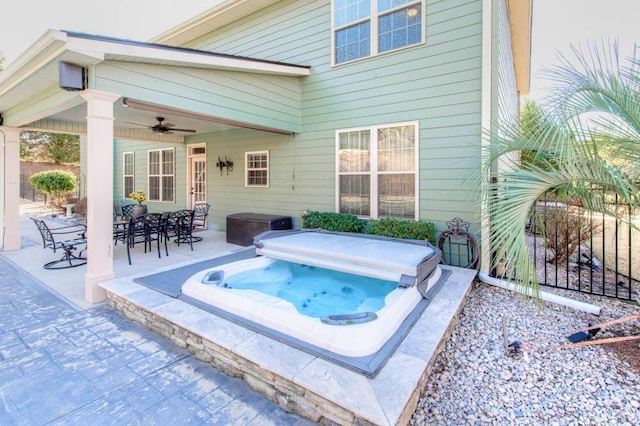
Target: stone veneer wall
<point>282,391</point>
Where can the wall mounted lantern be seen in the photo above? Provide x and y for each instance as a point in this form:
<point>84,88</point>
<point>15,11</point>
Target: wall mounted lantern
<point>226,164</point>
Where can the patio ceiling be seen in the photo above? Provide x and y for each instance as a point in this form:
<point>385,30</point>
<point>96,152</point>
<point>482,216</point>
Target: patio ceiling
<point>129,122</point>
<point>31,99</point>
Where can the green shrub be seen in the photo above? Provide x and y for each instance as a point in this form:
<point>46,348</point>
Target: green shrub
<point>405,229</point>
<point>336,222</point>
<point>54,183</point>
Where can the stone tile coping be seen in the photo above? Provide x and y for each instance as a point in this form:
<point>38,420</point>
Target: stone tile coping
<point>388,399</point>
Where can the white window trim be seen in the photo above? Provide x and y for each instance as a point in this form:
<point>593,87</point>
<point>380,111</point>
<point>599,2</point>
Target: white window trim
<point>373,36</point>
<point>125,194</point>
<point>197,145</point>
<point>373,172</point>
<point>161,175</point>
<point>247,169</point>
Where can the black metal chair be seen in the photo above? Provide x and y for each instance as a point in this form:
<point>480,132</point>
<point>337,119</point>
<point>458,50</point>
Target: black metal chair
<point>119,227</point>
<point>119,230</point>
<point>58,239</point>
<point>127,210</point>
<point>145,229</point>
<point>179,225</point>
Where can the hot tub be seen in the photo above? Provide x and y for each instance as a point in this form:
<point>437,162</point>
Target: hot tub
<point>361,333</point>
<point>342,337</point>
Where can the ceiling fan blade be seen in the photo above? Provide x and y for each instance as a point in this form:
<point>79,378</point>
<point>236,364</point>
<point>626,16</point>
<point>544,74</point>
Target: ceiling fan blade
<point>164,128</point>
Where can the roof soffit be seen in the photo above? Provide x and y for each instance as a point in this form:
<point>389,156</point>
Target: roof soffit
<point>520,24</point>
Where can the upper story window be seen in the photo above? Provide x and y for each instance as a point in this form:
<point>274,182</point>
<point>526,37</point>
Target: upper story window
<point>365,28</point>
<point>161,175</point>
<point>256,168</point>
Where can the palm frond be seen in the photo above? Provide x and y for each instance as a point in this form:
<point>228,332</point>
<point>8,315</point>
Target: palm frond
<point>584,143</point>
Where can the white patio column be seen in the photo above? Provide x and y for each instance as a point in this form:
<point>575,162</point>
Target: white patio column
<point>99,192</point>
<point>10,189</point>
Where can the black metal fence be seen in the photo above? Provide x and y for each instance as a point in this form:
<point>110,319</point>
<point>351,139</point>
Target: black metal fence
<point>28,192</point>
<point>576,249</point>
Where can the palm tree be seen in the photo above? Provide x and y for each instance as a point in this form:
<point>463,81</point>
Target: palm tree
<point>591,117</point>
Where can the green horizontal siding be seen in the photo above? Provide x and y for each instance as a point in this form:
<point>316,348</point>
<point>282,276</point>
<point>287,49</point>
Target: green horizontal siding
<point>262,99</point>
<point>140,150</point>
<point>437,84</point>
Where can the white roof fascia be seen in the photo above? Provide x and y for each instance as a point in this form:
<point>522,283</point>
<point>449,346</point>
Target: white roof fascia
<point>43,51</point>
<point>156,54</point>
<point>224,12</point>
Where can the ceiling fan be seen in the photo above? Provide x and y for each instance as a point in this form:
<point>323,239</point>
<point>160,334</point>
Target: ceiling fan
<point>164,128</point>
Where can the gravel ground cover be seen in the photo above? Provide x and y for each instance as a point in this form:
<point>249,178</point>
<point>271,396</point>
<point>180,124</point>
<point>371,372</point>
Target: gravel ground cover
<point>475,382</point>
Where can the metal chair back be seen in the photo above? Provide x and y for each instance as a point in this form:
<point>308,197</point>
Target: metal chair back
<point>145,229</point>
<point>127,210</point>
<point>200,213</point>
<point>179,225</point>
<point>65,238</point>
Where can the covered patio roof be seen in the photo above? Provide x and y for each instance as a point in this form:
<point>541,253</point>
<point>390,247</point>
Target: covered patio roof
<point>120,89</point>
<point>30,96</point>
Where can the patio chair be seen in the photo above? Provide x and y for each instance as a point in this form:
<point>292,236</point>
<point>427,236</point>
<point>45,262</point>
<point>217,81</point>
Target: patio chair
<point>145,229</point>
<point>66,238</point>
<point>127,210</point>
<point>200,213</point>
<point>119,227</point>
<point>179,225</point>
<point>120,224</point>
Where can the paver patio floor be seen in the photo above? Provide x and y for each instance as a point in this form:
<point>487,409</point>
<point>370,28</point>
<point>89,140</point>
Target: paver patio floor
<point>60,365</point>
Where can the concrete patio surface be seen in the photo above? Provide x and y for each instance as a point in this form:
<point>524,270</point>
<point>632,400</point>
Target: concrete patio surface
<point>60,365</point>
<point>65,362</point>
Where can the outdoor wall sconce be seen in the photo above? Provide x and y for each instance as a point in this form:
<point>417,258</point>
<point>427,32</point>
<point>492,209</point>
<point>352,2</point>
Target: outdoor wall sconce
<point>226,164</point>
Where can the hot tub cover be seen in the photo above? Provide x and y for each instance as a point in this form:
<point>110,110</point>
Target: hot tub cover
<point>378,257</point>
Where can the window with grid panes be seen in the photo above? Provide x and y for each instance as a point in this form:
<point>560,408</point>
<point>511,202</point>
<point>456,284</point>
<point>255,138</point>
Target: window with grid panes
<point>161,175</point>
<point>128,174</point>
<point>377,171</point>
<point>257,168</point>
<point>363,28</point>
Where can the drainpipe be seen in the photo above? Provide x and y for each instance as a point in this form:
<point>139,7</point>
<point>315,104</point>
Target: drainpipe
<point>549,297</point>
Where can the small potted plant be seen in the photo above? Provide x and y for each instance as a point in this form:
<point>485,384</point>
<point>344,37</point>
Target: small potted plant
<point>140,197</point>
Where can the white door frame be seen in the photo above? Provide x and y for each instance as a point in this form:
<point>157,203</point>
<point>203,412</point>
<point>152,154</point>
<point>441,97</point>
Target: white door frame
<point>191,157</point>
